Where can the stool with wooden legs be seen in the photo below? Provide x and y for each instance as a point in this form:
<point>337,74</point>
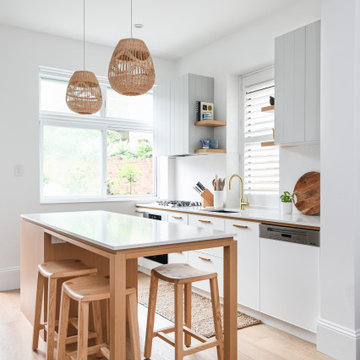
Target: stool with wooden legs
<point>48,275</point>
<point>182,276</point>
<point>92,290</point>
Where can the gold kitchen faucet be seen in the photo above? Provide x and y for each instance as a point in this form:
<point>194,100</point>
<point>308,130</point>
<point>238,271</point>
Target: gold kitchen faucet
<point>243,203</point>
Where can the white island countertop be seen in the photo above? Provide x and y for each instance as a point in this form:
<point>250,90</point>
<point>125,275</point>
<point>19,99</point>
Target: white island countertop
<point>116,231</point>
<point>250,214</point>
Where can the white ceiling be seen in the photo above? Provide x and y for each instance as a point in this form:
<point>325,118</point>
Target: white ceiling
<point>172,28</point>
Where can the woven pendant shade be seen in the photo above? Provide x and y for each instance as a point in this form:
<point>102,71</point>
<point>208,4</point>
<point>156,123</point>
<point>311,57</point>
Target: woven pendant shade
<point>131,68</point>
<point>83,94</point>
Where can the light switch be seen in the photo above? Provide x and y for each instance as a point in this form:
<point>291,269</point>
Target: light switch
<point>18,170</point>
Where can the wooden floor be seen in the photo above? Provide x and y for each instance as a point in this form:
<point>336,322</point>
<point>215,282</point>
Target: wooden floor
<point>259,342</point>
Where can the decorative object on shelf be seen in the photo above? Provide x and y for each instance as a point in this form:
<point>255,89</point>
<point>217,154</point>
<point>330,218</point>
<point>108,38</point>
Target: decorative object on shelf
<point>214,143</point>
<point>286,203</point>
<point>272,100</point>
<point>131,68</point>
<point>83,93</point>
<point>306,195</point>
<point>205,143</point>
<point>206,111</point>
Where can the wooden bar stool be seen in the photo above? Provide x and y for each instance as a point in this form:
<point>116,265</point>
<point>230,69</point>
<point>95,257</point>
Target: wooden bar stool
<point>92,290</point>
<point>182,276</point>
<point>48,275</point>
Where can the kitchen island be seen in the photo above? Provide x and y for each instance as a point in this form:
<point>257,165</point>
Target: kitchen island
<point>112,243</point>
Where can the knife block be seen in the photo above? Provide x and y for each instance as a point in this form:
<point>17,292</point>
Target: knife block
<point>208,198</point>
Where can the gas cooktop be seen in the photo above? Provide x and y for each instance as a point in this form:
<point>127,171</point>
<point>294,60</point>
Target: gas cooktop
<point>178,203</point>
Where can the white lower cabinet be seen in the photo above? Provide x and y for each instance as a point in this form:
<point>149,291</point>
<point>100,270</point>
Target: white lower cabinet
<point>177,218</point>
<point>289,282</point>
<point>208,263</point>
<point>178,257</point>
<point>247,236</point>
<point>208,222</point>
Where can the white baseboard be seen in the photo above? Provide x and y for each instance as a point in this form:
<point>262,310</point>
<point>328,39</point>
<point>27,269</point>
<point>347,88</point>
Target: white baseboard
<point>338,341</point>
<point>9,278</point>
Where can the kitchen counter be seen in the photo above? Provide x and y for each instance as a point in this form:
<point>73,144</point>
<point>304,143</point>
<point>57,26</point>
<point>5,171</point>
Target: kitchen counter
<point>252,214</point>
<point>112,243</point>
<point>116,231</point>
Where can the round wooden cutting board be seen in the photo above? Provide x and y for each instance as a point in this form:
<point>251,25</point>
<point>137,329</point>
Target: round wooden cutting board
<point>307,193</point>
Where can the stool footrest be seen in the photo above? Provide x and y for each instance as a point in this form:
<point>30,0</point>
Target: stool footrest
<point>205,343</point>
<point>195,335</point>
<point>91,351</point>
<point>166,338</point>
<point>204,346</point>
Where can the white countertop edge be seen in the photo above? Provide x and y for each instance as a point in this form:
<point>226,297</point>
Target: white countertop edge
<point>221,235</point>
<point>258,215</point>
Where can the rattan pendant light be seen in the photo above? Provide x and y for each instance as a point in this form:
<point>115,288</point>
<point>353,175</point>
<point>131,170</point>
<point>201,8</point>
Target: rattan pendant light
<point>83,94</point>
<point>131,68</point>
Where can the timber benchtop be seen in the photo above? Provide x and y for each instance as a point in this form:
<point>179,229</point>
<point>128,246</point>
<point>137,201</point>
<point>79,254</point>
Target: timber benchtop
<point>116,231</point>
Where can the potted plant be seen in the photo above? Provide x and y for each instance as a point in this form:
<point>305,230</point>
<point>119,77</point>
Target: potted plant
<point>286,203</point>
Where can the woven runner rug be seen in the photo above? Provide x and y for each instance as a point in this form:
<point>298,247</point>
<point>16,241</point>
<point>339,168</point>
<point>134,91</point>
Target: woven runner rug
<point>202,316</point>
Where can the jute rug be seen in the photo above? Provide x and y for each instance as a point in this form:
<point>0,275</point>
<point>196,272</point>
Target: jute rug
<point>202,316</point>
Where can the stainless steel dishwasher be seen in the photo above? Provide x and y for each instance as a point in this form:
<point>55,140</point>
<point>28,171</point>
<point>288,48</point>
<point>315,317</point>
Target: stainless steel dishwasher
<point>289,274</point>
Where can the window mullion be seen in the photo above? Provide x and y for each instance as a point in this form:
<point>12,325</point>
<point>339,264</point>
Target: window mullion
<point>104,164</point>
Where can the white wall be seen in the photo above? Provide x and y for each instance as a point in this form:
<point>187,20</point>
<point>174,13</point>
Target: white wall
<point>21,54</point>
<point>338,332</point>
<point>190,170</point>
<point>249,49</point>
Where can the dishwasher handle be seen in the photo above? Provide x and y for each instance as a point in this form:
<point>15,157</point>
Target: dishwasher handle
<point>289,234</point>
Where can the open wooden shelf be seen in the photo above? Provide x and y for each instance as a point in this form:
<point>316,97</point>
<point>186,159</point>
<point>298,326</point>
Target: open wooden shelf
<point>212,123</point>
<point>267,143</point>
<point>269,108</point>
<point>210,151</point>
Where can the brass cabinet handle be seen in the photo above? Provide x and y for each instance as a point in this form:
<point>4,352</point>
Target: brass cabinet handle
<point>205,221</point>
<point>204,258</point>
<point>241,226</point>
<point>177,217</point>
<point>139,212</point>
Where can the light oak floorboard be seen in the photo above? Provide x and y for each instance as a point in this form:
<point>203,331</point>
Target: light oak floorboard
<point>260,342</point>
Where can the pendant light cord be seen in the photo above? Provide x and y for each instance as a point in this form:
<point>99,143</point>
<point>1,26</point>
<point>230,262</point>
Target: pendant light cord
<point>84,35</point>
<point>131,15</point>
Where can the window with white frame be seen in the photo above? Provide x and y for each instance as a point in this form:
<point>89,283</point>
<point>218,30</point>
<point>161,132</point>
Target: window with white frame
<point>261,156</point>
<point>103,156</point>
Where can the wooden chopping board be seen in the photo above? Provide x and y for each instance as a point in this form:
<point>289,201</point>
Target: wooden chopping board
<point>307,193</point>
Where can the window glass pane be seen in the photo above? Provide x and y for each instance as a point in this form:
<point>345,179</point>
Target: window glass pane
<point>129,163</point>
<point>72,159</point>
<point>129,107</point>
<point>53,95</point>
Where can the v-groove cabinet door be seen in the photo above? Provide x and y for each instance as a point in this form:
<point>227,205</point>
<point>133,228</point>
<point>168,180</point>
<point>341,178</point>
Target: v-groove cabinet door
<point>175,113</point>
<point>297,86</point>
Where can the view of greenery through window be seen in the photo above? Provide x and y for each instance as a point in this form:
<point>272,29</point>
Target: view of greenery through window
<point>129,163</point>
<point>72,159</point>
<point>82,158</point>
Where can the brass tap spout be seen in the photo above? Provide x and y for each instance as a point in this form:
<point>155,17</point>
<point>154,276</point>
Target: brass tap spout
<point>243,203</point>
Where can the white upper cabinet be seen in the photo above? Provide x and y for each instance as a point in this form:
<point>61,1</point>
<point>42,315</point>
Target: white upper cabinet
<point>297,86</point>
<point>175,114</point>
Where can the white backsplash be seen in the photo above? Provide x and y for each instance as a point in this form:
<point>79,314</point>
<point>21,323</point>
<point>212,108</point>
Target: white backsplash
<point>294,162</point>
